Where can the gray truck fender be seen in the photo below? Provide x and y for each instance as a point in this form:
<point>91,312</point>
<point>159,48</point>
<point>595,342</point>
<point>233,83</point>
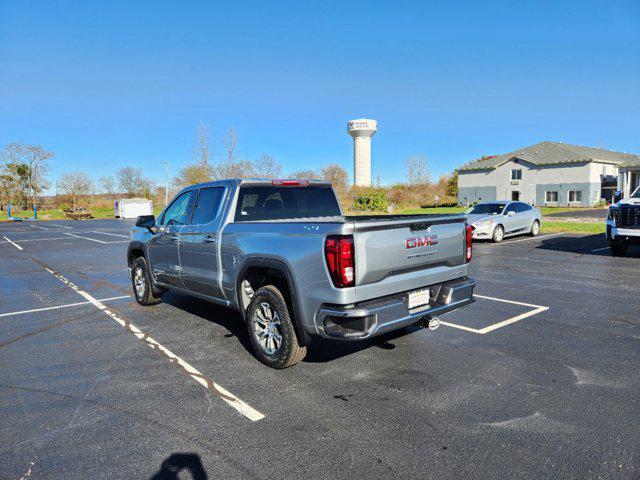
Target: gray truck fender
<point>282,267</point>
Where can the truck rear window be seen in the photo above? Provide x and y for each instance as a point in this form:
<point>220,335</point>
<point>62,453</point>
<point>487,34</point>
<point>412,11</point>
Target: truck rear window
<point>275,203</point>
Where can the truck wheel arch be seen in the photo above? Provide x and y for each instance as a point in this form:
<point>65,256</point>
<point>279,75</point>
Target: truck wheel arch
<point>135,250</point>
<point>281,272</point>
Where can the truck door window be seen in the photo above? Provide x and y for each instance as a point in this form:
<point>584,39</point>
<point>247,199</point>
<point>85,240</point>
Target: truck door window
<point>207,205</point>
<point>179,211</point>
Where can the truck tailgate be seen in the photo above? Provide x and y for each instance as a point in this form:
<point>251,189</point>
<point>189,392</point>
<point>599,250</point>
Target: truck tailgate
<point>396,246</point>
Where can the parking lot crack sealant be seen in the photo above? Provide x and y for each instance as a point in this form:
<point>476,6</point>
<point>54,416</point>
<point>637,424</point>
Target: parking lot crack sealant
<point>243,408</point>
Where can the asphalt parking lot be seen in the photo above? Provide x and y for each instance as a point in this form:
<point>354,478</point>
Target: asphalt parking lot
<point>538,379</point>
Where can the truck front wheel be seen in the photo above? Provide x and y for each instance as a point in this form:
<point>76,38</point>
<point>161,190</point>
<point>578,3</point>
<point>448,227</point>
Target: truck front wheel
<point>145,291</point>
<point>271,331</point>
<point>618,248</point>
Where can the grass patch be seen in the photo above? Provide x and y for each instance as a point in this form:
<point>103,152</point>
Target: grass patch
<point>573,227</point>
<point>98,213</point>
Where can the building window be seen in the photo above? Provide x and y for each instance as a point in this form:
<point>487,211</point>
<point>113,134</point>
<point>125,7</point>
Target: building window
<point>575,196</point>
<point>551,197</point>
<point>516,174</point>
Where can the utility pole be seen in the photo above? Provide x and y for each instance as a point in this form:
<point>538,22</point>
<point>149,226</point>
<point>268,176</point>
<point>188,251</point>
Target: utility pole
<point>166,182</point>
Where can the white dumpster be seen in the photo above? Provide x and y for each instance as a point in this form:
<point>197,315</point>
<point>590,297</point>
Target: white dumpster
<point>133,207</point>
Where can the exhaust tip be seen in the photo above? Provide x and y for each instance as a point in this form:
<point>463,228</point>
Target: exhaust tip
<point>433,324</point>
<point>430,323</point>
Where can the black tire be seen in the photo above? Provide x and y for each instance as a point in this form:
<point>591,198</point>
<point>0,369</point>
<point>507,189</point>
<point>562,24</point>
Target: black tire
<point>288,351</point>
<point>618,248</point>
<point>145,291</point>
<point>535,228</point>
<point>498,234</point>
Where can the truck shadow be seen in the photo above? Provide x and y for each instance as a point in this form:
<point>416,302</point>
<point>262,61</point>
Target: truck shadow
<point>596,244</point>
<point>223,316</point>
<point>324,350</point>
<point>320,350</point>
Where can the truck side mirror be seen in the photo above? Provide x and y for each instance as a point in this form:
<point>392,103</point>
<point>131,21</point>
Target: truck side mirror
<point>146,221</point>
<point>617,196</point>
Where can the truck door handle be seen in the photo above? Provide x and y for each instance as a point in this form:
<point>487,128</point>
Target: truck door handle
<point>209,239</point>
<point>173,238</point>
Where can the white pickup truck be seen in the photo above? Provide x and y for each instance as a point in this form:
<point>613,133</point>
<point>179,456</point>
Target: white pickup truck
<point>623,223</point>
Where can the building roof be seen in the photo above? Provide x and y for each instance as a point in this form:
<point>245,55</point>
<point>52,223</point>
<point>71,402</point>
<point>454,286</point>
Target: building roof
<point>549,153</point>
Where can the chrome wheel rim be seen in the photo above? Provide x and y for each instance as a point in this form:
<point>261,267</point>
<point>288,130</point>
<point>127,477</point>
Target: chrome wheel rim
<point>535,228</point>
<point>499,234</point>
<point>139,282</point>
<point>267,328</point>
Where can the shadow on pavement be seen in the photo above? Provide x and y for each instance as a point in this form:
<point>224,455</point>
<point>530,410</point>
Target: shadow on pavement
<point>596,244</point>
<point>320,349</point>
<point>324,350</point>
<point>177,463</point>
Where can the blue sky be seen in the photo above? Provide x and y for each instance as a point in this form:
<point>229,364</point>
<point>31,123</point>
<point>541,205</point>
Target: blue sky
<point>109,84</point>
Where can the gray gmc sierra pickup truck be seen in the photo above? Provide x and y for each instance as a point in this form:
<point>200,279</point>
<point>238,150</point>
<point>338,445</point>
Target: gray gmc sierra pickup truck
<point>282,253</point>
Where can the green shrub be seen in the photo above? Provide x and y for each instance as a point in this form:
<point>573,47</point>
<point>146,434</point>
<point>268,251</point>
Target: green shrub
<point>371,201</point>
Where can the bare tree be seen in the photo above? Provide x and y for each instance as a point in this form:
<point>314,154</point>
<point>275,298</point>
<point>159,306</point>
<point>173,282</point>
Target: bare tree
<point>267,167</point>
<point>109,185</point>
<point>236,169</point>
<point>230,143</point>
<point>305,174</point>
<point>133,183</point>
<point>202,151</point>
<point>337,175</point>
<point>417,171</point>
<point>231,164</point>
<point>190,174</point>
<point>75,184</point>
<point>35,157</point>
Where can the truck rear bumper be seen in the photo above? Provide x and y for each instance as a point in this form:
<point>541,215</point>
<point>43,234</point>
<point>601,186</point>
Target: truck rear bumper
<point>375,317</point>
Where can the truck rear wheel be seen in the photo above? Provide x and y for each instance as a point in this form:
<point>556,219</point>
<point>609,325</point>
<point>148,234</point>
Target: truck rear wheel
<point>271,331</point>
<point>618,248</point>
<point>145,292</point>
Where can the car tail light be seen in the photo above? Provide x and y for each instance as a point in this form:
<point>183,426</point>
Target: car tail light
<point>468,243</point>
<point>290,183</point>
<point>339,252</point>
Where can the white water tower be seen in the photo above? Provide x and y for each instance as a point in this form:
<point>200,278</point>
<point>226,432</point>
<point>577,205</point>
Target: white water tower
<point>362,129</point>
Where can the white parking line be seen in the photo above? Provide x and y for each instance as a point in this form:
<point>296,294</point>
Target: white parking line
<point>507,242</point>
<point>601,249</point>
<point>94,239</point>
<point>37,226</point>
<point>61,226</point>
<point>481,331</point>
<point>112,234</point>
<point>13,243</point>
<point>39,239</point>
<point>243,408</point>
<point>57,307</point>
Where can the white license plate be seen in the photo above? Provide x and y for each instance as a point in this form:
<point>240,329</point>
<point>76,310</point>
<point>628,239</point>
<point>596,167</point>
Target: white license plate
<point>417,299</point>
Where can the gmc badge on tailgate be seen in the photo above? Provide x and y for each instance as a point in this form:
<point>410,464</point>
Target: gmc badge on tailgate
<point>415,242</point>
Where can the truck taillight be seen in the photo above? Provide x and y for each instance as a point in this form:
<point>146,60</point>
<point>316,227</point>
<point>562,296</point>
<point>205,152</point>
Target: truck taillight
<point>468,243</point>
<point>340,255</point>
